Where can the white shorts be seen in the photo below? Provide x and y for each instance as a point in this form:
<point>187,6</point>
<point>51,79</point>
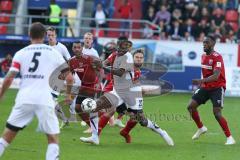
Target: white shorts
<point>132,98</point>
<point>21,115</point>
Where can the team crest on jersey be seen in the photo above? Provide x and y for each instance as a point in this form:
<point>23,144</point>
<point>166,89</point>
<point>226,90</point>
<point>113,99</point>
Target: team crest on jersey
<point>210,61</point>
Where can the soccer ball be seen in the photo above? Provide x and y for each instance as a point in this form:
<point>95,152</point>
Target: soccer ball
<point>88,105</point>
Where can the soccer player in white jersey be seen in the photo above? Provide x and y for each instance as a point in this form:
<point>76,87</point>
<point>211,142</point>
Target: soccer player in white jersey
<point>35,63</point>
<point>87,47</point>
<point>52,41</point>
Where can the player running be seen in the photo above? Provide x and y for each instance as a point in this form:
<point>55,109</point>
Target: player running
<point>83,66</point>
<point>212,86</point>
<point>52,41</point>
<point>35,63</point>
<point>136,112</point>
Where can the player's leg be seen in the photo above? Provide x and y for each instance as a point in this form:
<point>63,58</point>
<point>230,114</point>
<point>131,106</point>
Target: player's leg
<point>217,97</point>
<point>48,124</point>
<point>83,115</point>
<point>105,101</point>
<point>131,123</point>
<point>121,110</point>
<point>20,116</point>
<point>53,147</point>
<point>199,97</point>
<point>105,118</point>
<point>59,111</point>
<point>145,122</point>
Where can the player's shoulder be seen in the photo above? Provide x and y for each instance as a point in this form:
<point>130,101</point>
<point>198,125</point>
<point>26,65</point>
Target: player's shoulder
<point>216,55</point>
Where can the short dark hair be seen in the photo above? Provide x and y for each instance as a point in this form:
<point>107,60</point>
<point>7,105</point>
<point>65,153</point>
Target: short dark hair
<point>138,51</point>
<point>37,31</point>
<point>78,42</point>
<point>212,37</point>
<point>51,28</point>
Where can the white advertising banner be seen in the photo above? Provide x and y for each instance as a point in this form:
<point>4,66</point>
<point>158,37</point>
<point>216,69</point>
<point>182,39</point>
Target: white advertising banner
<point>233,81</point>
<point>190,51</point>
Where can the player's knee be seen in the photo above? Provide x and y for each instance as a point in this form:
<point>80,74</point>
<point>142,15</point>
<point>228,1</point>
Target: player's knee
<point>143,122</point>
<point>52,138</point>
<point>217,115</point>
<point>103,103</point>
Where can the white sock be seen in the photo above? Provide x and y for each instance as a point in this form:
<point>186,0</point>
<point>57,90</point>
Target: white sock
<point>52,152</point>
<point>94,124</point>
<point>154,127</point>
<point>3,145</point>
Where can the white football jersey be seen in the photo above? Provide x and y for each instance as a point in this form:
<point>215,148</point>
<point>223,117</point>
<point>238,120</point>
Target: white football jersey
<point>90,51</point>
<point>36,63</point>
<point>63,50</point>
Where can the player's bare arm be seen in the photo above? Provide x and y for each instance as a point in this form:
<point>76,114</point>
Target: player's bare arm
<point>211,78</point>
<point>69,82</point>
<point>7,82</point>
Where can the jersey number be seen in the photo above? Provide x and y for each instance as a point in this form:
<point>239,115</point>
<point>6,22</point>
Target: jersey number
<point>35,62</point>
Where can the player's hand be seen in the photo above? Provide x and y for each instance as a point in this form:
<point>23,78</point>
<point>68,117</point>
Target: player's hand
<point>196,81</point>
<point>96,64</point>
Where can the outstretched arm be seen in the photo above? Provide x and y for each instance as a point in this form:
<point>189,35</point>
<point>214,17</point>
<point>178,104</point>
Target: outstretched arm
<point>7,82</point>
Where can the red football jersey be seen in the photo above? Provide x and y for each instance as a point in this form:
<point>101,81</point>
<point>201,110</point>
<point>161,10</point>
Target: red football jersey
<point>210,63</point>
<point>83,68</point>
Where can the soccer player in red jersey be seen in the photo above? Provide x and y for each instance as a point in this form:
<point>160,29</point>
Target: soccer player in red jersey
<point>212,86</point>
<point>86,68</point>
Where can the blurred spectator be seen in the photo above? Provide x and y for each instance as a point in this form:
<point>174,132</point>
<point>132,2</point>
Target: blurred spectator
<point>191,9</point>
<point>150,3</point>
<point>218,35</point>
<point>201,37</point>
<point>231,37</point>
<point>177,15</point>
<point>125,11</point>
<point>176,31</point>
<point>6,64</point>
<point>163,14</point>
<point>203,26</point>
<point>217,19</point>
<point>65,26</point>
<point>232,4</point>
<point>204,14</point>
<point>162,31</point>
<point>188,37</point>
<point>100,17</point>
<point>147,31</point>
<point>150,14</point>
<point>177,4</point>
<point>54,11</point>
<point>190,28</point>
<point>220,4</point>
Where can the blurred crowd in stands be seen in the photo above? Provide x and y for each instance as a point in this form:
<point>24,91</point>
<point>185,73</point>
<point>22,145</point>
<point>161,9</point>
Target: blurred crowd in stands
<point>192,20</point>
<point>186,20</point>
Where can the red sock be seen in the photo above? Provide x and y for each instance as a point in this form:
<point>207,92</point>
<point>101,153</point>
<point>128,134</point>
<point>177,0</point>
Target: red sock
<point>102,123</point>
<point>120,116</point>
<point>100,113</point>
<point>129,126</point>
<point>223,123</point>
<point>196,118</point>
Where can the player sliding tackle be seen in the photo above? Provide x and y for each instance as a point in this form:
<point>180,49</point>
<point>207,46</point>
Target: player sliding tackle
<point>127,91</point>
<point>212,86</point>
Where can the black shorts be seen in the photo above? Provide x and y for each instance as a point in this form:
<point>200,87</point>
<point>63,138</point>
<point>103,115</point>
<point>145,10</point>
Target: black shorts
<point>121,109</point>
<point>201,96</point>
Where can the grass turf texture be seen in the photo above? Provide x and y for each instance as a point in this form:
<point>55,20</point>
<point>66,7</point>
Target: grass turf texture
<point>170,113</point>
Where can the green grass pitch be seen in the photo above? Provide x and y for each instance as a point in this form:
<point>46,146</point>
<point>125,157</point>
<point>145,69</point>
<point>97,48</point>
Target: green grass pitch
<point>170,113</point>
